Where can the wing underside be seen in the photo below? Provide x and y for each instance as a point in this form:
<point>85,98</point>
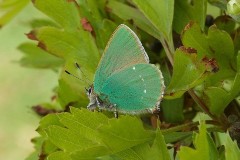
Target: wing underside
<point>134,89</point>
<point>124,49</point>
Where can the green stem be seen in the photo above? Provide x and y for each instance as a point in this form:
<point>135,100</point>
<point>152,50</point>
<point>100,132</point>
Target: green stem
<point>222,119</point>
<point>169,48</point>
<point>180,127</point>
<point>201,104</point>
<point>189,126</point>
<point>215,129</point>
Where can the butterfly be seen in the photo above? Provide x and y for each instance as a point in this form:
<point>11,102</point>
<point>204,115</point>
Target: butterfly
<point>124,81</point>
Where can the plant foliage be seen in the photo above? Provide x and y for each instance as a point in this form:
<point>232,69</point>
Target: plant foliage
<point>199,59</point>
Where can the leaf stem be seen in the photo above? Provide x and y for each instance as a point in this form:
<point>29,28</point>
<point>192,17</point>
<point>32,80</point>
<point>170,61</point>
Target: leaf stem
<point>169,48</point>
<point>188,126</point>
<point>180,127</point>
<point>201,103</point>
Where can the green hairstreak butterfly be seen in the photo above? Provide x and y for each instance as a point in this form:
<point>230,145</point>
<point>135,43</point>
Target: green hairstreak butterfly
<point>124,80</point>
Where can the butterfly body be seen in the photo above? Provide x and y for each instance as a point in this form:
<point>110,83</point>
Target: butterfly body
<point>124,80</point>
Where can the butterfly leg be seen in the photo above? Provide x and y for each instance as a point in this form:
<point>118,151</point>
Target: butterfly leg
<point>91,106</point>
<point>114,108</point>
<point>115,113</point>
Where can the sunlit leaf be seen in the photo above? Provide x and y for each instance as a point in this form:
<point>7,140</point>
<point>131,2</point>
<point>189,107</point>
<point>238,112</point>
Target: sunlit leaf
<point>69,19</point>
<point>129,13</point>
<point>124,133</point>
<point>157,151</point>
<point>188,72</point>
<point>219,97</point>
<point>59,156</point>
<point>38,58</point>
<point>208,45</point>
<point>204,147</point>
<point>159,13</point>
<point>83,122</point>
<point>232,151</point>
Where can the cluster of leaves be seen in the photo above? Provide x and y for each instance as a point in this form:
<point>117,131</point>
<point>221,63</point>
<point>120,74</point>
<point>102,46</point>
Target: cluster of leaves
<point>81,134</point>
<point>200,64</point>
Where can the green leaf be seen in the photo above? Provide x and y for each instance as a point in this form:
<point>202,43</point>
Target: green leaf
<point>94,12</point>
<point>173,110</point>
<point>48,147</point>
<point>186,11</point>
<point>66,139</point>
<point>69,45</point>
<point>91,153</point>
<point>218,98</point>
<point>38,142</point>
<point>215,96</point>
<point>222,4</point>
<point>50,119</point>
<point>159,13</point>
<point>75,132</point>
<point>129,13</point>
<point>133,153</point>
<point>103,32</point>
<point>208,45</point>
<point>188,72</point>
<point>37,23</point>
<point>92,9</point>
<point>232,151</point>
<point>38,58</point>
<point>83,122</point>
<point>157,151</point>
<point>83,134</point>
<point>204,147</point>
<point>63,12</point>
<point>175,136</point>
<point>123,133</point>
<point>32,156</point>
<point>43,146</point>
<point>59,156</point>
<point>225,23</point>
<point>159,148</point>
<point>71,89</point>
<point>74,47</point>
<point>236,40</point>
<point>71,92</point>
<point>11,8</point>
<point>238,63</point>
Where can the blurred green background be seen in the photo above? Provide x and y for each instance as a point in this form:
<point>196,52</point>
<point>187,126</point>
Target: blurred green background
<point>20,89</point>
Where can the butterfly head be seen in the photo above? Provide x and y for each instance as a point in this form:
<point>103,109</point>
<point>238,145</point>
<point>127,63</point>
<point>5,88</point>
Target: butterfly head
<point>92,98</point>
<point>88,91</point>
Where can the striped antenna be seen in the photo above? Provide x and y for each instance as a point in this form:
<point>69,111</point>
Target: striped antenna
<point>77,65</point>
<point>86,79</point>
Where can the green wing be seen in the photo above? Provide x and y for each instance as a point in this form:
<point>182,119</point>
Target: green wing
<point>134,89</point>
<point>124,49</point>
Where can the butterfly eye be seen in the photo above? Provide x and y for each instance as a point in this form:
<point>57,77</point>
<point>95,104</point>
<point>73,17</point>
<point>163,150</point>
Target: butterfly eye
<point>89,91</point>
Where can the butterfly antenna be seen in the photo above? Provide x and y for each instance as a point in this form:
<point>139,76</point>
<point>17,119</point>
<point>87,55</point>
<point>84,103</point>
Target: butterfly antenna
<point>76,76</point>
<point>77,65</point>
<point>73,75</point>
